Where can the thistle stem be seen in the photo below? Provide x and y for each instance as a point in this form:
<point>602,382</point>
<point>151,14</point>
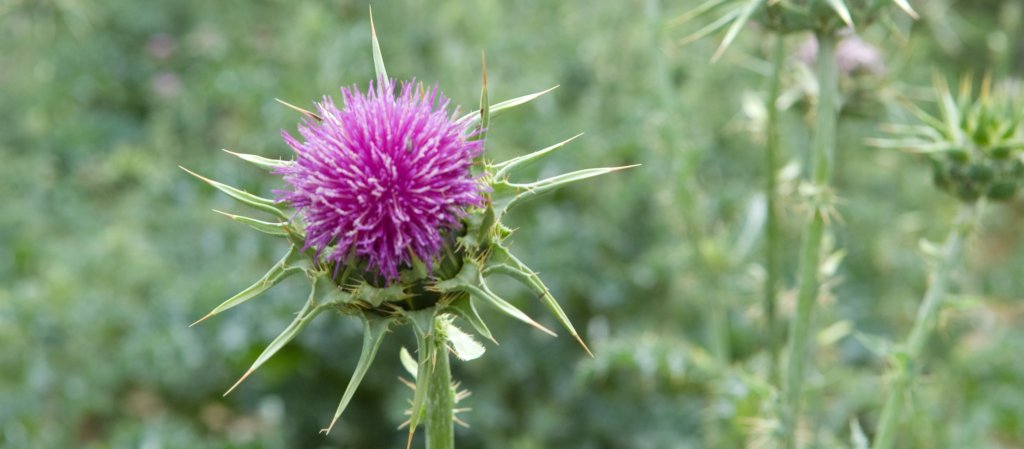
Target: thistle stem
<point>440,403</point>
<point>923,324</point>
<point>772,240</point>
<point>827,115</point>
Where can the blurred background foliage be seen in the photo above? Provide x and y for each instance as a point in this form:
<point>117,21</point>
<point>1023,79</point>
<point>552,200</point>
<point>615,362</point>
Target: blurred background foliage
<point>108,251</point>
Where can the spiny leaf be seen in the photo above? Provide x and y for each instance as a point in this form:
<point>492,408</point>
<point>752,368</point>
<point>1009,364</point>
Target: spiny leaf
<point>277,273</point>
<point>378,60</point>
<point>247,198</point>
<point>304,112</point>
<point>485,104</point>
<point>530,190</point>
<point>463,345</point>
<point>505,167</point>
<point>486,295</point>
<point>373,334</point>
<point>711,27</point>
<point>260,161</point>
<point>529,278</point>
<point>464,307</point>
<point>844,13</point>
<point>266,227</point>
<point>308,312</point>
<point>494,110</point>
<point>425,352</point>
<point>694,13</point>
<point>905,6</point>
<point>738,25</point>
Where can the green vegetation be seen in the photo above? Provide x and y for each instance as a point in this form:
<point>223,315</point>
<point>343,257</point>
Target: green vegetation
<point>108,251</point>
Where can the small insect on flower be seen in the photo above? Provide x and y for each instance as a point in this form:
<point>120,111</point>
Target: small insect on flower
<point>383,176</point>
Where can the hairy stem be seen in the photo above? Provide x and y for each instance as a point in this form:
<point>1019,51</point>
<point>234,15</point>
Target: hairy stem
<point>923,324</point>
<point>827,114</point>
<point>440,405</point>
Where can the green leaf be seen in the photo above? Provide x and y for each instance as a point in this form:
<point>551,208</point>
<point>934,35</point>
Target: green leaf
<point>464,307</point>
<point>247,198</point>
<point>373,334</point>
<point>260,161</point>
<point>485,104</point>
<point>529,278</point>
<point>463,345</point>
<point>505,167</point>
<point>484,294</point>
<point>738,25</point>
<point>408,362</point>
<point>533,189</point>
<point>266,227</point>
<point>844,13</point>
<point>494,110</point>
<point>378,60</point>
<point>308,312</point>
<point>424,334</point>
<point>277,273</point>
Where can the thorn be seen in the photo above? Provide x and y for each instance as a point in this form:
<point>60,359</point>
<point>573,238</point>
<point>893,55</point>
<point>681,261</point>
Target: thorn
<point>244,376</point>
<point>201,320</point>
<point>299,110</point>
<point>205,179</point>
<point>483,64</point>
<point>373,30</point>
<point>408,443</point>
<point>585,348</point>
<point>327,430</point>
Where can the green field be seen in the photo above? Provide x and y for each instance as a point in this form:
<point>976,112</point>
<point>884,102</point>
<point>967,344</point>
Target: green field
<point>108,251</point>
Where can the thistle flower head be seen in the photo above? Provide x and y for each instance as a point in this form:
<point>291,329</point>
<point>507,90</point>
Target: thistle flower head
<point>383,176</point>
<point>975,142</point>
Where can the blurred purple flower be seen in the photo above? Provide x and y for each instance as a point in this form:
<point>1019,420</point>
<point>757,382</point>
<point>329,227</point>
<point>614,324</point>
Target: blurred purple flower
<point>853,56</point>
<point>383,176</point>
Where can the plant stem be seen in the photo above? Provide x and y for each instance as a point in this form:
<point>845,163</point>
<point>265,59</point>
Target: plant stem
<point>827,115</point>
<point>923,324</point>
<point>772,240</point>
<point>440,404</point>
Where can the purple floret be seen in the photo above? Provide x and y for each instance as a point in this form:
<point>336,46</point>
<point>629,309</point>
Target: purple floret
<point>385,175</point>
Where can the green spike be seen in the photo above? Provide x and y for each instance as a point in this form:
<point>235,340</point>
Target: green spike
<point>373,335</point>
<point>485,294</point>
<point>485,105</point>
<point>266,227</point>
<point>844,13</point>
<point>247,198</point>
<point>700,10</point>
<point>529,278</point>
<point>424,352</point>
<point>734,30</point>
<point>277,273</point>
<point>494,110</point>
<point>505,167</point>
<point>464,307</point>
<point>905,6</point>
<point>300,110</point>
<point>260,161</point>
<point>308,312</point>
<point>710,28</point>
<point>378,60</point>
<point>533,189</point>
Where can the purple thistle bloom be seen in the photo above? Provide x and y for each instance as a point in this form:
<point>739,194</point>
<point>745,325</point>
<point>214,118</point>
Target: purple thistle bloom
<point>384,176</point>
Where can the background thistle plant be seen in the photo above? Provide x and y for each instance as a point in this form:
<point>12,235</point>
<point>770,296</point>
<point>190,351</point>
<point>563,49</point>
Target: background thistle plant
<point>392,228</point>
<point>976,148</point>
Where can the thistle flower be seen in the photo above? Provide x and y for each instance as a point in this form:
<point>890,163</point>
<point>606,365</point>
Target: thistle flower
<point>384,187</point>
<point>975,142</point>
<point>382,177</point>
